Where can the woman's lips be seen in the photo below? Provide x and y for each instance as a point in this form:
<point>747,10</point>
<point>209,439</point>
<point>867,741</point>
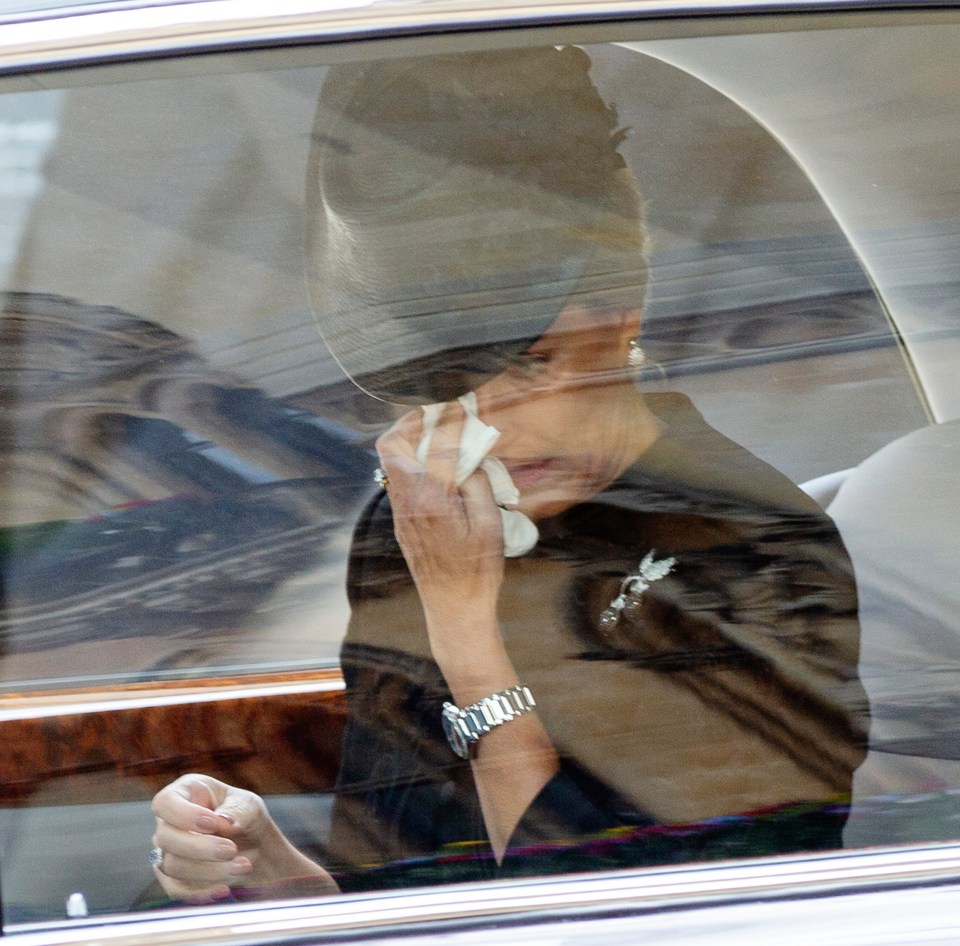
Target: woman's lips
<point>525,475</point>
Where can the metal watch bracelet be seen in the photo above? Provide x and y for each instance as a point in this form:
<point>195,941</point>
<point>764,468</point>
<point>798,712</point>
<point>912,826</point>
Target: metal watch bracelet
<point>463,727</point>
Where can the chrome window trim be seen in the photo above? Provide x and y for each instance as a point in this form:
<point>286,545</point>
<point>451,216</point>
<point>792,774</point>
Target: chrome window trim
<point>583,897</point>
<point>43,706</point>
<point>72,36</point>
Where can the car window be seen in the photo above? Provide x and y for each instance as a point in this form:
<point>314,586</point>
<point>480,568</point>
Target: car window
<point>711,347</point>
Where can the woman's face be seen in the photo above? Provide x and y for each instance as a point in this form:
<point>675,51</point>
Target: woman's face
<point>570,417</point>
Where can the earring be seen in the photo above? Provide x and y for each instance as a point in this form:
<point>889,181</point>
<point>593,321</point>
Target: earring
<point>636,356</point>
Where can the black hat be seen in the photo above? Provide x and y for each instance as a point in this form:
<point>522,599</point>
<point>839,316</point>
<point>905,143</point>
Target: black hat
<point>455,205</point>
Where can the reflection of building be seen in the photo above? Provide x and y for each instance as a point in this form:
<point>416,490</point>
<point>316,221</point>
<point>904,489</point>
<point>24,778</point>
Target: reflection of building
<point>145,493</point>
<point>103,408</point>
<point>179,196</point>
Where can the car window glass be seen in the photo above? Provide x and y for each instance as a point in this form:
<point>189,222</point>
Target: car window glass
<point>201,568</point>
<point>895,195</point>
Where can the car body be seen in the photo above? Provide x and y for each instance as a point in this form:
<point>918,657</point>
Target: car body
<point>184,461</point>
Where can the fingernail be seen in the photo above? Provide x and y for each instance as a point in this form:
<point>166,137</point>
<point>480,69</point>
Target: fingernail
<point>228,818</point>
<point>226,850</point>
<point>241,866</point>
<point>206,824</point>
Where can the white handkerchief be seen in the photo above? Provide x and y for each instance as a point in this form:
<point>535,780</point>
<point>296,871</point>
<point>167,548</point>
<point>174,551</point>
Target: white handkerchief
<point>476,441</point>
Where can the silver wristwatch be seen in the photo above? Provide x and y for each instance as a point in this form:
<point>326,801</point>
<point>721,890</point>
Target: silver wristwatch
<point>463,727</point>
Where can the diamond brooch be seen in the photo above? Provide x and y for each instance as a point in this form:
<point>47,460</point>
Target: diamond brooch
<point>633,586</point>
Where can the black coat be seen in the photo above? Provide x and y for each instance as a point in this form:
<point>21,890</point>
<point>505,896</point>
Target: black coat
<point>720,716</point>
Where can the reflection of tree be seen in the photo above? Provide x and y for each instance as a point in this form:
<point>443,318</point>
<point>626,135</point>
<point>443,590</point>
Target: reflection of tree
<point>143,491</point>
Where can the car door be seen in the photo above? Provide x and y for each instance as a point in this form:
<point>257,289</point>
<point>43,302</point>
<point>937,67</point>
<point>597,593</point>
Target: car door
<point>185,461</point>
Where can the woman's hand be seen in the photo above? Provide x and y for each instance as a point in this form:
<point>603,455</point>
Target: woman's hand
<point>452,541</point>
<point>215,837</point>
<point>450,536</point>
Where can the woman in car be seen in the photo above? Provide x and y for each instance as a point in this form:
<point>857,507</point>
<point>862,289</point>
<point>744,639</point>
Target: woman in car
<point>587,629</point>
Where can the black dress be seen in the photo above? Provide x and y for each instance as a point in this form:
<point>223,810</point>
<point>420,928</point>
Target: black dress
<point>720,715</point>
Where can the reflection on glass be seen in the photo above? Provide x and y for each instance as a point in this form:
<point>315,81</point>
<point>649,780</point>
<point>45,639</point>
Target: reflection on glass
<point>662,625</point>
<point>687,619</point>
<point>587,629</point>
<point>123,521</point>
<point>28,127</point>
<point>899,516</point>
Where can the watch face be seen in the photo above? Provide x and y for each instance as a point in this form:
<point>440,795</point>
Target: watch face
<point>453,731</point>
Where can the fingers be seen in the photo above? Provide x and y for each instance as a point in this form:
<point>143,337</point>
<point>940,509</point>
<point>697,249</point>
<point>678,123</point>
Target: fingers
<point>202,874</point>
<point>190,893</point>
<point>480,505</point>
<point>445,447</point>
<point>189,803</point>
<point>201,825</point>
<point>197,867</point>
<point>192,847</point>
<point>429,508</point>
<point>398,445</point>
<point>397,448</point>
